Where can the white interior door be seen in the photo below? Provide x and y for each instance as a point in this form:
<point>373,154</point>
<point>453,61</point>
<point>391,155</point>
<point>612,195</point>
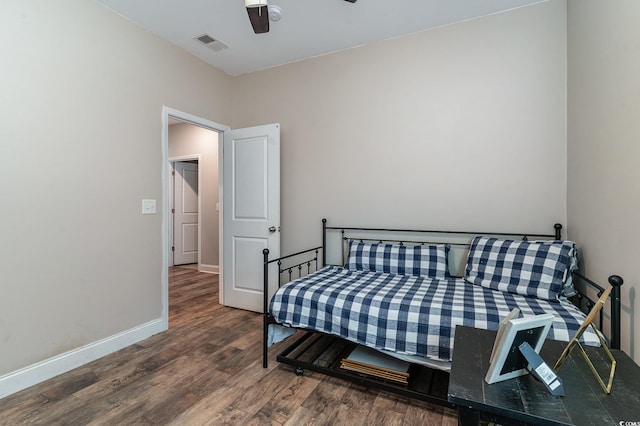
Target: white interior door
<point>186,213</point>
<point>251,212</point>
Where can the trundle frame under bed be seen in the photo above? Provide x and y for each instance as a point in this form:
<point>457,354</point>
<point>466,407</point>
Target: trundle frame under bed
<point>319,352</point>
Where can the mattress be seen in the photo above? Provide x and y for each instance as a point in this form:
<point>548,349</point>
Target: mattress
<point>410,317</point>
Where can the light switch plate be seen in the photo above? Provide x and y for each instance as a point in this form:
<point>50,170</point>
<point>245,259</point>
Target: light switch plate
<point>148,206</point>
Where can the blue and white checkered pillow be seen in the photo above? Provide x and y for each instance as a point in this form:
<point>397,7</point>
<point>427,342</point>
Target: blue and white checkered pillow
<point>531,268</point>
<point>418,260</point>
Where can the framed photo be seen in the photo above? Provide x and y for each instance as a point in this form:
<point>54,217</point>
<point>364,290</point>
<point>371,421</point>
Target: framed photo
<point>515,313</point>
<point>575,342</point>
<point>506,360</point>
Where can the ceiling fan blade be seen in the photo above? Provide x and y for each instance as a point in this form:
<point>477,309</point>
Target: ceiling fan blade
<point>259,17</point>
<point>351,1</point>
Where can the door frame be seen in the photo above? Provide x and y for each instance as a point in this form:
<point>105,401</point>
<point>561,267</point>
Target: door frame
<point>168,112</point>
<point>171,195</point>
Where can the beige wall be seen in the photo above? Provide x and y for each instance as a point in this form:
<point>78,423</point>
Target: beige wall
<point>459,127</point>
<point>187,139</point>
<point>603,145</point>
<point>80,132</point>
<point>463,126</point>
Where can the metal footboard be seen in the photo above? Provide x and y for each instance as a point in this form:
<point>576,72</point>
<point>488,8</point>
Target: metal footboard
<point>296,270</point>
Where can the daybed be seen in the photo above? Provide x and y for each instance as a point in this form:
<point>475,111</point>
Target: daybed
<point>403,296</point>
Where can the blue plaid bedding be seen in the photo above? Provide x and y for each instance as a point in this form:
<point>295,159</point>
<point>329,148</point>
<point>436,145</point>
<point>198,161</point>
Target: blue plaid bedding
<point>408,314</point>
<point>421,260</point>
<point>540,269</point>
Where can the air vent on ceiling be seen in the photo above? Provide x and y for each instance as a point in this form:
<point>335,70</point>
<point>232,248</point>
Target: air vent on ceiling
<point>211,43</point>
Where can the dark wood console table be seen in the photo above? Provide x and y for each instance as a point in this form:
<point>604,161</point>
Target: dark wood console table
<point>524,400</point>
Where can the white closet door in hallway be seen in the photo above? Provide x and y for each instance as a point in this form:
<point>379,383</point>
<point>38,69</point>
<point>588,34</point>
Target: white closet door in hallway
<point>185,213</point>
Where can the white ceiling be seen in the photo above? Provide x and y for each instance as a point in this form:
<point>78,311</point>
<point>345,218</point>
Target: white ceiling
<point>308,28</point>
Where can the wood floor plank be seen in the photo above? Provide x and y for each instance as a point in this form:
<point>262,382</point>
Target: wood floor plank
<point>386,410</point>
<point>230,416</point>
<point>207,408</point>
<point>324,397</point>
<point>280,407</point>
<point>206,370</point>
<point>255,397</point>
<point>416,415</point>
<point>355,405</point>
<point>306,417</point>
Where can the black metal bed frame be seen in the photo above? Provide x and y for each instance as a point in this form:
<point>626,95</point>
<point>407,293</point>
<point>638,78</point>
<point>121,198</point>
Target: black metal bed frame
<point>428,388</point>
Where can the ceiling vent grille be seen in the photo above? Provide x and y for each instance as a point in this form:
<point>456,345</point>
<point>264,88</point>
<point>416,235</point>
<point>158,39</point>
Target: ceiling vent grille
<point>211,43</point>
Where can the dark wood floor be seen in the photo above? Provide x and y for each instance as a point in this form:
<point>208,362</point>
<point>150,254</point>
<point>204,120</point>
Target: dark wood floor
<point>206,369</point>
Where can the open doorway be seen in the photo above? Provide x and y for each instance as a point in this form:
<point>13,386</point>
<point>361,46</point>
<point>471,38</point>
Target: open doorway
<point>253,158</point>
<point>194,196</point>
<point>190,139</point>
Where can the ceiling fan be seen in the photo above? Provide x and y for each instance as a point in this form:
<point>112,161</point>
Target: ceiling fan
<point>259,12</point>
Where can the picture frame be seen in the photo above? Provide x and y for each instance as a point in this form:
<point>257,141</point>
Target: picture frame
<point>515,313</point>
<point>506,360</point>
<point>575,341</point>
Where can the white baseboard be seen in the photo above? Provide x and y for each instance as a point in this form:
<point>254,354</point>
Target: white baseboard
<point>45,370</point>
<point>210,269</point>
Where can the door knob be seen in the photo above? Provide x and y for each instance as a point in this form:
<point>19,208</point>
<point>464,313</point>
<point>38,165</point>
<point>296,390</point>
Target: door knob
<point>272,229</point>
